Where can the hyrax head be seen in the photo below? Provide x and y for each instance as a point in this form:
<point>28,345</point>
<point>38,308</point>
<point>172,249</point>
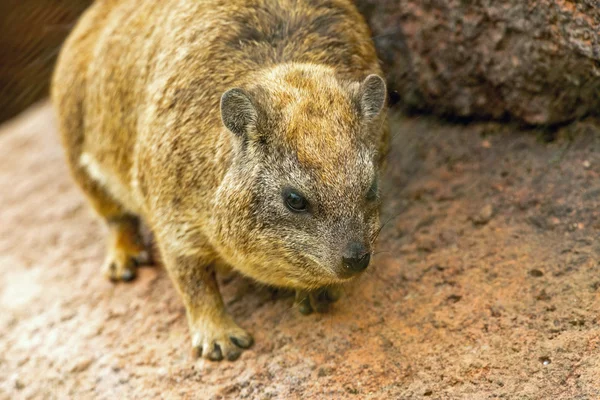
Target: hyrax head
<point>301,193</point>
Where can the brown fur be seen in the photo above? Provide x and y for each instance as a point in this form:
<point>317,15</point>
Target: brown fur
<point>138,88</point>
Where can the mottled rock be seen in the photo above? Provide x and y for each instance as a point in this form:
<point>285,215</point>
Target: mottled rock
<point>537,61</point>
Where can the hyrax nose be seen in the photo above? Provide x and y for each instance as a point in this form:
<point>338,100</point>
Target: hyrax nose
<point>356,257</point>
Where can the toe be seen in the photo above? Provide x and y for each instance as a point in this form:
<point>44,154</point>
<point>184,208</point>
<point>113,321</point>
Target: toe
<point>243,340</point>
<point>211,351</point>
<point>220,339</point>
<point>120,270</point>
<point>196,352</point>
<point>128,270</point>
<point>215,354</point>
<point>143,258</point>
<point>333,293</point>
<point>128,274</point>
<point>232,352</point>
<point>303,303</point>
<point>319,302</point>
<point>110,271</point>
<point>233,345</point>
<point>125,270</point>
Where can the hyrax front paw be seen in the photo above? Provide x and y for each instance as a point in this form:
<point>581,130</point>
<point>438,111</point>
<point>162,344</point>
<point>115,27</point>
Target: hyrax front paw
<point>318,300</point>
<point>220,338</point>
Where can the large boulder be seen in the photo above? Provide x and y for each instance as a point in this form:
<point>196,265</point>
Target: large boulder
<point>537,61</point>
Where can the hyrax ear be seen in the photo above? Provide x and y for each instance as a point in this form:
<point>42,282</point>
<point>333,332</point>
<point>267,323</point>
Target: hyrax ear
<point>237,112</point>
<point>372,96</point>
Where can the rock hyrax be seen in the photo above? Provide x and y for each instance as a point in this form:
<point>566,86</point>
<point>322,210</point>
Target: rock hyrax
<point>249,133</point>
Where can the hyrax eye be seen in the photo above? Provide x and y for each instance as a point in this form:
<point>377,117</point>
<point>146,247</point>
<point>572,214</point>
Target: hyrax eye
<point>294,201</point>
<point>373,192</point>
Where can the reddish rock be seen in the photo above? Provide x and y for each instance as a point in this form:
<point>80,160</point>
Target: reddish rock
<point>448,309</point>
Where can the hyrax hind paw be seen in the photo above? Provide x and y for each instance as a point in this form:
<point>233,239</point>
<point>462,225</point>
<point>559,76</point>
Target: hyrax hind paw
<point>121,265</point>
<point>126,249</point>
<point>218,339</point>
<point>318,300</point>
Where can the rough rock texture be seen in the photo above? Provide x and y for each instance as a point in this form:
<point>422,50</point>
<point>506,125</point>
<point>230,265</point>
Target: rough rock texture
<point>486,285</point>
<point>537,61</point>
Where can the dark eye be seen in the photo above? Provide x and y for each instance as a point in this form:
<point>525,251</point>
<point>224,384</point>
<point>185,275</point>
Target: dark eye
<point>295,201</point>
<point>373,191</point>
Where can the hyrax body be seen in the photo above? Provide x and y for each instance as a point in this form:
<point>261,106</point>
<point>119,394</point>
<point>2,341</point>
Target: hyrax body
<point>243,132</point>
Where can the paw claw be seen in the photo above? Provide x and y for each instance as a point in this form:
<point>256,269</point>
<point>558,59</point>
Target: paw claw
<point>318,300</point>
<point>110,272</point>
<point>221,339</point>
<point>216,354</point>
<point>332,294</point>
<point>305,308</point>
<point>233,353</point>
<point>120,268</point>
<point>242,342</point>
<point>128,275</point>
<point>143,258</point>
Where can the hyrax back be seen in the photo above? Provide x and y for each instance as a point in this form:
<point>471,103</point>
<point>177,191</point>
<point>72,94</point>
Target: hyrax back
<point>245,132</point>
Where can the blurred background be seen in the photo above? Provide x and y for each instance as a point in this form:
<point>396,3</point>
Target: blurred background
<point>31,34</point>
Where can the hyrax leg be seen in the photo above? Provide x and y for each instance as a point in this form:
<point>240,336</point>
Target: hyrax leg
<point>125,248</point>
<point>317,300</point>
<point>68,95</point>
<point>215,335</point>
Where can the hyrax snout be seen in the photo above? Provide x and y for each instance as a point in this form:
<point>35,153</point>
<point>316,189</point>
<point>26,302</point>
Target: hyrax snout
<point>250,133</point>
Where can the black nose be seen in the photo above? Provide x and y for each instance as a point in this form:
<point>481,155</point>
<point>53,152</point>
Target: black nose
<point>356,257</point>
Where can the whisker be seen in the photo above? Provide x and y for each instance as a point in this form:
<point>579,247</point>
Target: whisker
<point>395,135</point>
<point>383,251</point>
<point>378,231</point>
<point>382,35</point>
